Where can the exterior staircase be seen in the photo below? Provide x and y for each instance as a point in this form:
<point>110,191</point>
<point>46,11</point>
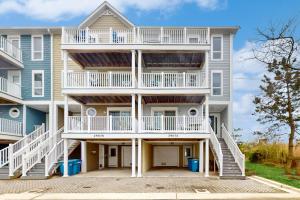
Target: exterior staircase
<point>231,170</point>
<point>4,173</point>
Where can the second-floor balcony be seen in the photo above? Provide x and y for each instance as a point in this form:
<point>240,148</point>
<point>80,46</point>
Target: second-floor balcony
<point>10,88</point>
<point>138,35</point>
<point>10,55</point>
<point>10,127</point>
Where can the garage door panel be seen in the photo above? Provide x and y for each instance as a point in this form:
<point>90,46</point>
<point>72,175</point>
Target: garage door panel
<point>166,156</point>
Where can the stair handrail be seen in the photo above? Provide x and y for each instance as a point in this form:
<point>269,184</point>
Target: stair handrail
<point>54,153</point>
<point>218,150</point>
<point>16,150</point>
<point>239,157</point>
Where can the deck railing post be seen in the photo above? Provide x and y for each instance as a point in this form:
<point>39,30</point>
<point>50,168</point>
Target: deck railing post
<point>110,35</point>
<point>161,35</point>
<point>185,39</point>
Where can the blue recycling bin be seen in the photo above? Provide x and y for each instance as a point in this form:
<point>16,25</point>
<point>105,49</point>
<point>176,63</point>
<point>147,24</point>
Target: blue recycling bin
<point>190,163</point>
<point>195,165</point>
<point>70,167</point>
<point>76,166</point>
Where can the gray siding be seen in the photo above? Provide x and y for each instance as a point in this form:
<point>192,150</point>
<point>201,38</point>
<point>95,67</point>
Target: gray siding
<point>182,109</point>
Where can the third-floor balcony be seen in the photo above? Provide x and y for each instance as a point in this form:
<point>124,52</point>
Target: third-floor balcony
<point>10,55</point>
<point>9,88</point>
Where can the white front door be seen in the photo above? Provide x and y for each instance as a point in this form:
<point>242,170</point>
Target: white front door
<point>113,156</point>
<point>166,156</point>
<point>187,153</point>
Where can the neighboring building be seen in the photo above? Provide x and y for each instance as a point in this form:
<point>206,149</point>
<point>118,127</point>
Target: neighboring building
<point>139,97</point>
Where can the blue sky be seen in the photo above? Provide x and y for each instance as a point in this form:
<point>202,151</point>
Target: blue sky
<point>248,14</point>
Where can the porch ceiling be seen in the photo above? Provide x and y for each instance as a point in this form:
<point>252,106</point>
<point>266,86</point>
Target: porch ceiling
<point>102,59</point>
<point>102,99</point>
<point>173,59</point>
<point>172,99</point>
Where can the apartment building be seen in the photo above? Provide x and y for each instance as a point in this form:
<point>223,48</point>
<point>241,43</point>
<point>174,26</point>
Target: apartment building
<point>128,96</point>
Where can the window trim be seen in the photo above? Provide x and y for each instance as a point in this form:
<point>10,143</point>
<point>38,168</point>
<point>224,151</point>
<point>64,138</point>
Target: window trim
<point>43,82</point>
<point>212,47</point>
<point>42,48</point>
<point>18,111</point>
<point>211,82</point>
<point>90,108</point>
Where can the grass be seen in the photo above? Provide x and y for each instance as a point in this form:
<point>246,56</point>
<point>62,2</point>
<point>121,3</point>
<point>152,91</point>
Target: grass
<point>273,173</point>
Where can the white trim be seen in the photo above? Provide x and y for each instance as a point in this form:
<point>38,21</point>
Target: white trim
<point>153,109</point>
<point>108,109</point>
<point>193,108</point>
<point>42,48</point>
<point>212,47</point>
<point>87,112</point>
<point>211,82</point>
<point>24,119</point>
<point>32,82</point>
<point>18,112</point>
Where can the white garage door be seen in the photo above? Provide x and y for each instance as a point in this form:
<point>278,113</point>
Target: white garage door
<point>166,156</point>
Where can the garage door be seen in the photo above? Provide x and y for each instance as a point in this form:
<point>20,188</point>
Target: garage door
<point>166,156</point>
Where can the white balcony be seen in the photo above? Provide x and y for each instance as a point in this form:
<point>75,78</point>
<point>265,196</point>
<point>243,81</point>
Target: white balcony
<point>98,80</point>
<point>11,53</point>
<point>10,88</point>
<point>165,80</point>
<point>11,127</point>
<point>173,124</point>
<point>139,35</point>
<point>100,124</point>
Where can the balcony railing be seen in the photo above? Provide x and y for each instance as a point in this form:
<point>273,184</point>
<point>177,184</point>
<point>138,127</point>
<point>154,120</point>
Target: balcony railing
<point>99,80</point>
<point>169,124</point>
<point>100,124</point>
<point>173,80</point>
<point>10,88</point>
<point>10,127</point>
<point>8,48</point>
<point>139,35</point>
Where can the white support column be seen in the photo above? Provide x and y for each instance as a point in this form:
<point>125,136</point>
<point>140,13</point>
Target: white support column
<point>140,113</point>
<point>201,156</point>
<point>81,115</point>
<point>66,114</point>
<point>133,159</point>
<point>66,155</point>
<point>206,68</point>
<point>139,174</point>
<point>207,112</point>
<point>24,119</point>
<point>83,157</point>
<point>206,157</point>
<point>133,112</point>
<point>55,114</point>
<point>65,53</point>
<point>51,117</point>
<point>133,67</point>
<point>139,68</point>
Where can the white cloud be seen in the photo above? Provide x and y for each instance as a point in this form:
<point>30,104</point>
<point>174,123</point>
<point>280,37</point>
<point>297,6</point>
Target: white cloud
<point>244,104</point>
<point>57,10</point>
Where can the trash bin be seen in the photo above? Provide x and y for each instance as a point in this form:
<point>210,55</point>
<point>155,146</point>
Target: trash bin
<point>70,167</point>
<point>190,163</point>
<point>195,165</point>
<point>76,166</point>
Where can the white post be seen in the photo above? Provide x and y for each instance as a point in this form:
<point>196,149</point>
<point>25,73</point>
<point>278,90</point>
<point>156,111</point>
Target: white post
<point>133,158</point>
<point>66,154</point>
<point>11,160</point>
<point>140,122</point>
<point>206,157</point>
<point>133,67</point>
<point>139,157</point>
<point>133,112</point>
<point>206,69</point>
<point>83,157</point>
<point>139,68</point>
<point>207,113</point>
<point>65,53</point>
<point>66,114</point>
<point>24,120</point>
<point>201,156</point>
<point>81,116</point>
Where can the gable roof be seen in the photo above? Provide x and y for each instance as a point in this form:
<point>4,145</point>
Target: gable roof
<point>101,10</point>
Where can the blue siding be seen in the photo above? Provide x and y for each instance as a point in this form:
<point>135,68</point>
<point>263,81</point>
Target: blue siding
<point>30,65</point>
<point>4,112</point>
<point>34,117</point>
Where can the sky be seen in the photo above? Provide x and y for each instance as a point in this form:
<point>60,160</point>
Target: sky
<point>248,14</point>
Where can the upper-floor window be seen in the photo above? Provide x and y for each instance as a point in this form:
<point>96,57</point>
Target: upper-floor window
<point>216,83</point>
<point>38,83</point>
<point>14,48</point>
<point>37,47</point>
<point>217,47</point>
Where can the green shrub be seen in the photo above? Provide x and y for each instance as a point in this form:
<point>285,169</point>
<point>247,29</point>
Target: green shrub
<point>256,157</point>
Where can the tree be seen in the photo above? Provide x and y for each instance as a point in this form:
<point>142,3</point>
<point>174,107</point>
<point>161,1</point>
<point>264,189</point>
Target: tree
<point>236,134</point>
<point>280,88</point>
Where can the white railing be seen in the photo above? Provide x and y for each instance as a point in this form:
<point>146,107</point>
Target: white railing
<point>234,149</point>
<point>10,49</point>
<point>100,124</point>
<point>11,127</point>
<point>18,149</point>
<point>10,88</point>
<point>4,156</point>
<point>217,149</point>
<point>173,124</point>
<point>139,35</point>
<point>99,80</point>
<point>173,80</point>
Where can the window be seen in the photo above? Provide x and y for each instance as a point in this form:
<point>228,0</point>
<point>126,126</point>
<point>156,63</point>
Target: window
<point>193,112</point>
<point>91,112</point>
<point>37,46</point>
<point>37,83</point>
<point>14,112</point>
<point>15,41</point>
<point>217,83</point>
<point>217,47</point>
